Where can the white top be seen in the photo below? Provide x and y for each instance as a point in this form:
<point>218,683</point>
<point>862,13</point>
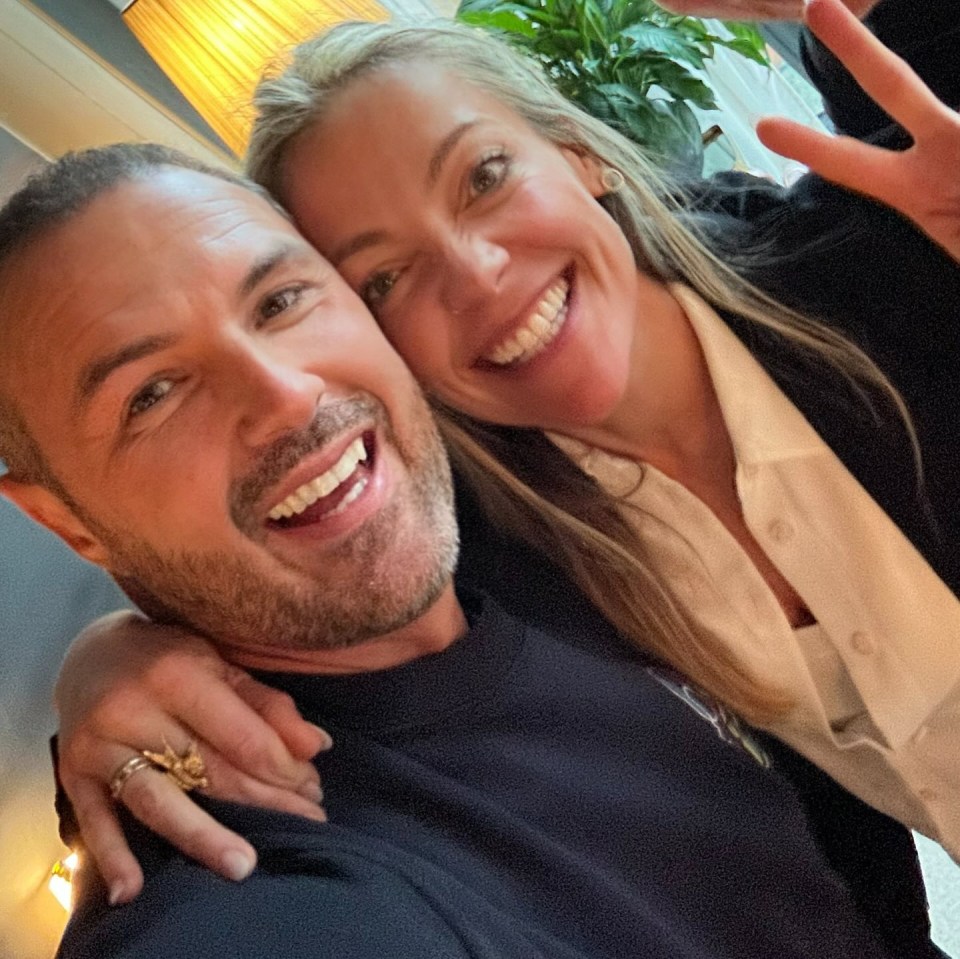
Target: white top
<point>877,680</point>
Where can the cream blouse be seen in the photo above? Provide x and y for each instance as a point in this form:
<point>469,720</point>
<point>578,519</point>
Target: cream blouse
<point>876,680</point>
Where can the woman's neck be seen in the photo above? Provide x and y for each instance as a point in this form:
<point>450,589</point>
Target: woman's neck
<point>670,416</point>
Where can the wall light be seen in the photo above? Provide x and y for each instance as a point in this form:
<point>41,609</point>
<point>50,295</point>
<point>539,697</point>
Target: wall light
<point>61,879</point>
<point>215,50</point>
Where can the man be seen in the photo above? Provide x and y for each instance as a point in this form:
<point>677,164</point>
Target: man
<point>177,364</point>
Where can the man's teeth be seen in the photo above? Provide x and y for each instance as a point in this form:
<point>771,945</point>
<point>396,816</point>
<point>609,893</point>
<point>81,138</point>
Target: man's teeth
<point>325,484</point>
<point>541,327</point>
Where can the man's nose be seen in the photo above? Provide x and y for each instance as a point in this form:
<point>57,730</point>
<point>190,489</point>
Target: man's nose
<point>473,267</point>
<point>276,397</point>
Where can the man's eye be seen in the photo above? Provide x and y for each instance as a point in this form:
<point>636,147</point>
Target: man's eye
<point>279,302</point>
<point>148,397</point>
<point>489,173</point>
<point>378,287</point>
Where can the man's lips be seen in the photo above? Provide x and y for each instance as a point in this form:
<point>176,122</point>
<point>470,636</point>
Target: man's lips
<point>326,485</point>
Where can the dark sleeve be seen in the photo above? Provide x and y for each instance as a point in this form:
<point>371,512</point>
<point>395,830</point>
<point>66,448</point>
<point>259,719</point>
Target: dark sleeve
<point>924,32</point>
<point>333,901</point>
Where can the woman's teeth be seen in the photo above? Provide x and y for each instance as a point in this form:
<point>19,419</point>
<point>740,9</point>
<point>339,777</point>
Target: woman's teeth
<point>541,327</point>
<point>300,499</point>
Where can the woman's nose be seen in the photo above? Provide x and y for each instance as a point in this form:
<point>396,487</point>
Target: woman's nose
<point>473,269</point>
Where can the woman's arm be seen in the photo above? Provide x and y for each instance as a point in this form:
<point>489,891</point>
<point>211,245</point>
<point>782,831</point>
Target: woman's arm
<point>754,9</point>
<point>127,685</point>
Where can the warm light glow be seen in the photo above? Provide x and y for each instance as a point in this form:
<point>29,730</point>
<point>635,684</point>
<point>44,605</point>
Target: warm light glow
<point>215,50</point>
<point>61,877</point>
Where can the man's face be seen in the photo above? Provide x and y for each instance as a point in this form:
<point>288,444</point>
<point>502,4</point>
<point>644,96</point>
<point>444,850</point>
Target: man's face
<point>242,448</point>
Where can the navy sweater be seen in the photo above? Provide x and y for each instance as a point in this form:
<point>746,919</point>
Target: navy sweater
<point>526,793</point>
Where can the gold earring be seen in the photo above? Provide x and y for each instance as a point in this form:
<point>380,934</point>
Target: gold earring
<point>612,179</point>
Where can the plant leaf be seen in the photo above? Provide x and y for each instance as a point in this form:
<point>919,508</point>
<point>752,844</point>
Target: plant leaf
<point>650,36</point>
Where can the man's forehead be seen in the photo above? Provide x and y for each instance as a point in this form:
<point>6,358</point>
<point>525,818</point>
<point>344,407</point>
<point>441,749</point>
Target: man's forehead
<point>175,232</point>
<point>183,208</point>
<point>140,235</point>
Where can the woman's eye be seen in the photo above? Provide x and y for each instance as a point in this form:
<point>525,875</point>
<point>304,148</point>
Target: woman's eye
<point>378,287</point>
<point>279,302</point>
<point>489,173</point>
<point>148,397</point>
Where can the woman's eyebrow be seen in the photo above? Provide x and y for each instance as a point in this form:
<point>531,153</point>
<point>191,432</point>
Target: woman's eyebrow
<point>363,240</point>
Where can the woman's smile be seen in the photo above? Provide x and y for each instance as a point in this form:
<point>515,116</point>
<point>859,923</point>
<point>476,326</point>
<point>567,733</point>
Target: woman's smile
<point>479,245</point>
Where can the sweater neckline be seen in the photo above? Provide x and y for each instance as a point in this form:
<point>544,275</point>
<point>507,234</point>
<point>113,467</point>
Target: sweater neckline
<point>423,691</point>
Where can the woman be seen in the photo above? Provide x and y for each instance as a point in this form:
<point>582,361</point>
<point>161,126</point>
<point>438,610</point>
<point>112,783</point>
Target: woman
<point>536,274</point>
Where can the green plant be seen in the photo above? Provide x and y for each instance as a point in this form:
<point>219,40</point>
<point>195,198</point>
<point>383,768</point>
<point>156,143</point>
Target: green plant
<point>625,61</point>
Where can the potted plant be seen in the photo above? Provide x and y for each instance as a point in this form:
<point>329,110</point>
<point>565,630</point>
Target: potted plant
<point>628,62</point>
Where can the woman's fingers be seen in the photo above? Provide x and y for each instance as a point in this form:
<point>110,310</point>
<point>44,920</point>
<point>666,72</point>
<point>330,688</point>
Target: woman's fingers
<point>227,782</point>
<point>920,182</point>
<point>887,79</point>
<point>104,840</point>
<point>737,9</point>
<point>303,739</point>
<point>167,810</point>
<point>754,9</point>
<point>216,711</point>
<point>164,808</point>
<point>176,695</point>
<point>841,159</point>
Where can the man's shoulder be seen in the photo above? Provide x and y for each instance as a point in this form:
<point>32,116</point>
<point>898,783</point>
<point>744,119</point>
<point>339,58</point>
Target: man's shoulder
<point>318,890</point>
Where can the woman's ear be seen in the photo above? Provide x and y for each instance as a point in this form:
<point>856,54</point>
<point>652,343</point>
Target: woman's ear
<point>49,510</point>
<point>588,169</point>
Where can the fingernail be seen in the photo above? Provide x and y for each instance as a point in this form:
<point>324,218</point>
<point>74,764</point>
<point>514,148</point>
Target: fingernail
<point>237,865</point>
<point>117,892</point>
<point>312,790</point>
<point>326,741</point>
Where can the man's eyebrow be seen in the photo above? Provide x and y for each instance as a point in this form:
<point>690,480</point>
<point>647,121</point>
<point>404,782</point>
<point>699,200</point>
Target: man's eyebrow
<point>95,373</point>
<point>446,146</point>
<point>266,264</point>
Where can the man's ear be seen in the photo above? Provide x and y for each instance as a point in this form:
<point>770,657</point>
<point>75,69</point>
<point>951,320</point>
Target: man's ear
<point>49,510</point>
<point>588,169</point>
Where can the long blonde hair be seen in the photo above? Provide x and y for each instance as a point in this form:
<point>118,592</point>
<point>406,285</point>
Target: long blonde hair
<point>521,480</point>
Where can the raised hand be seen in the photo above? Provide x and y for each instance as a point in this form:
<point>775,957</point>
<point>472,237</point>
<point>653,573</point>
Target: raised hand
<point>128,686</point>
<point>922,182</point>
<point>753,9</point>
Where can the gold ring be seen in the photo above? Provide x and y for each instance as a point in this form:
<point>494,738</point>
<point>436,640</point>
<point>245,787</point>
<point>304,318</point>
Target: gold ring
<point>119,779</point>
<point>186,770</point>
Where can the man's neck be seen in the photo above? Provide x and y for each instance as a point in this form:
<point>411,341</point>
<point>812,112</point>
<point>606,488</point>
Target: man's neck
<point>432,632</point>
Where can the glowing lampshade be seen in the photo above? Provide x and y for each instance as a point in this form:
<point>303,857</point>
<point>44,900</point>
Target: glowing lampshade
<point>215,50</point>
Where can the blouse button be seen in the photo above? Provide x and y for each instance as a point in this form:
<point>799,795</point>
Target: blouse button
<point>863,643</point>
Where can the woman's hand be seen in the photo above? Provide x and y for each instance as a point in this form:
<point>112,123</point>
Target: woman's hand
<point>922,182</point>
<point>128,685</point>
<point>753,9</point>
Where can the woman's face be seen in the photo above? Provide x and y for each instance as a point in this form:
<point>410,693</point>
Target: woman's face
<point>479,246</point>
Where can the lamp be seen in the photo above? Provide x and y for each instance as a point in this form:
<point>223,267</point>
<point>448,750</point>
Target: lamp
<point>215,50</point>
<point>61,879</point>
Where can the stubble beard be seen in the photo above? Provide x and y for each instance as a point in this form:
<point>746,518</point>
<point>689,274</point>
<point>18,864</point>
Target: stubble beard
<point>386,575</point>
